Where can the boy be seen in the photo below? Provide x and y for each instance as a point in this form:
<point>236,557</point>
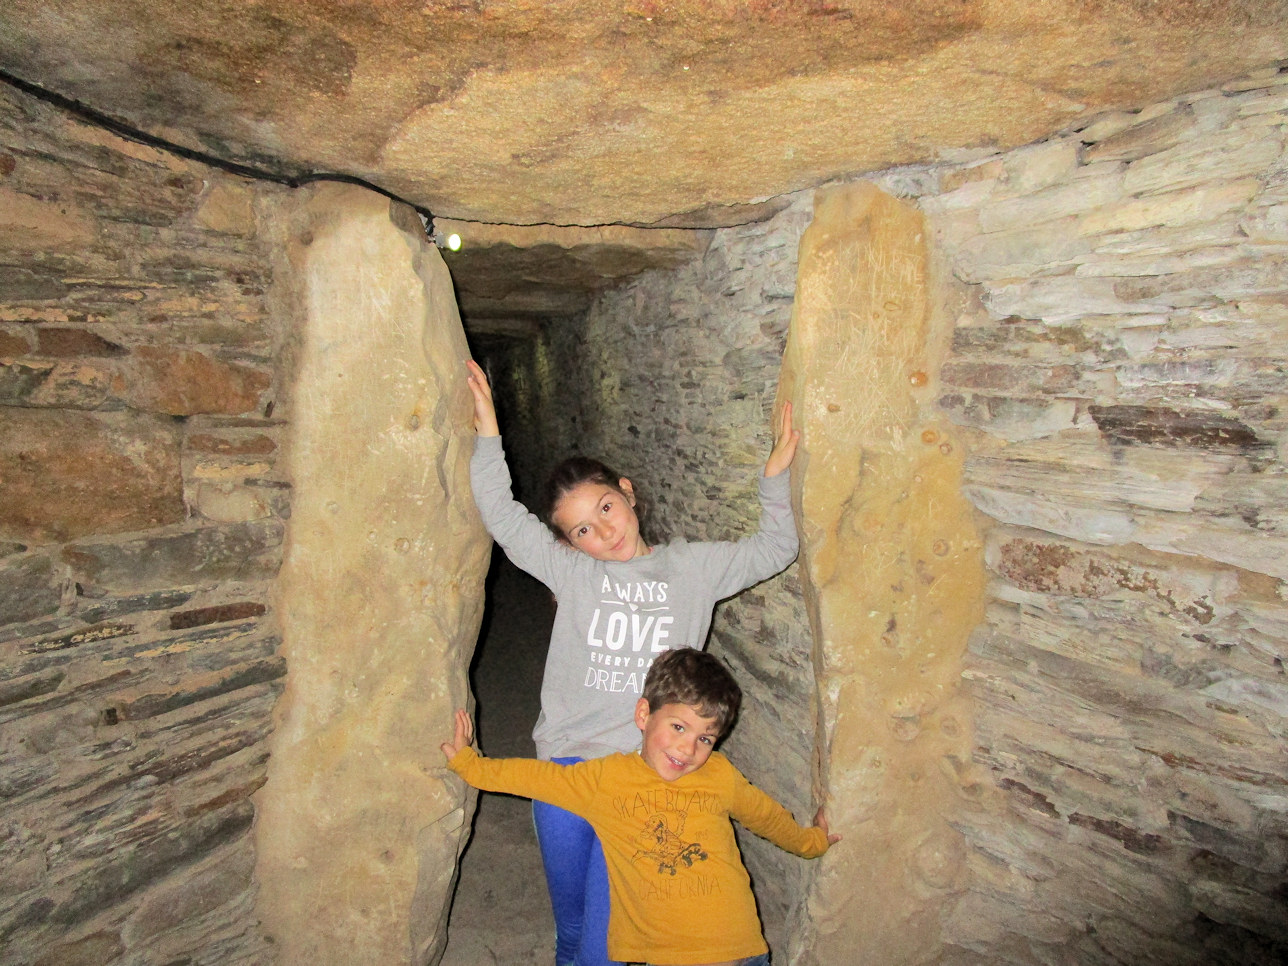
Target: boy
<point>679,892</point>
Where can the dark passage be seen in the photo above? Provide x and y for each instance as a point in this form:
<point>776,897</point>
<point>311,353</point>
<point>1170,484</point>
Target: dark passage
<point>501,912</point>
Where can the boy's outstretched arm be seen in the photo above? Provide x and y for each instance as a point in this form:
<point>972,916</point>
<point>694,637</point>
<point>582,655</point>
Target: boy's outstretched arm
<point>785,440</point>
<point>821,821</point>
<point>463,737</point>
<point>571,787</point>
<point>485,423</point>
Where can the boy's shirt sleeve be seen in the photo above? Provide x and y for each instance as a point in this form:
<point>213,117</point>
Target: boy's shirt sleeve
<point>525,539</point>
<point>759,813</point>
<point>571,787</point>
<point>735,565</point>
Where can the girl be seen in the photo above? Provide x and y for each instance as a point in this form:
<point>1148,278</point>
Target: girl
<point>621,602</point>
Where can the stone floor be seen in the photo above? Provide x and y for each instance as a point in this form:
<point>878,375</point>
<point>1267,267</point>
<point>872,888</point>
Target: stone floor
<point>501,913</point>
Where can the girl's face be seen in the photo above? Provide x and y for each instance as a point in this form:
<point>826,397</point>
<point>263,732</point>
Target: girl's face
<point>600,520</point>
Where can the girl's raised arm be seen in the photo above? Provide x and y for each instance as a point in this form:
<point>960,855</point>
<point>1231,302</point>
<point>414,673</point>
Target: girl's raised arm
<point>785,440</point>
<point>484,410</point>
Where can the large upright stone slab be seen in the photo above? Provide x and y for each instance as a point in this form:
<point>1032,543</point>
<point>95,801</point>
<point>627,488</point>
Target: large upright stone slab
<point>892,573</point>
<point>360,824</point>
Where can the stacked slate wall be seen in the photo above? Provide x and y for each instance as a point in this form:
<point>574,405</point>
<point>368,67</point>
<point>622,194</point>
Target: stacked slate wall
<point>141,527</point>
<point>1120,360</point>
<point>1120,297</point>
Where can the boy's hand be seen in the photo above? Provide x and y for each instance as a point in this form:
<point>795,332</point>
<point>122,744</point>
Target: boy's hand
<point>819,819</point>
<point>484,410</point>
<point>785,440</point>
<point>464,735</point>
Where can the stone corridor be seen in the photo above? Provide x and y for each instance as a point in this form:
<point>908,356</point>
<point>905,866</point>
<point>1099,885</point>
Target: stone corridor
<point>241,573</point>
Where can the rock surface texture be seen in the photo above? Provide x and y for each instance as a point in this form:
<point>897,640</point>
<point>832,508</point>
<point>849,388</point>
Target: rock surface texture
<point>1118,367</point>
<point>143,503</point>
<point>892,574</point>
<point>581,112</point>
<point>360,823</point>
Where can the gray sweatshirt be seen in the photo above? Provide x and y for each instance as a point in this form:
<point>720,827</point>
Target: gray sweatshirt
<point>614,617</point>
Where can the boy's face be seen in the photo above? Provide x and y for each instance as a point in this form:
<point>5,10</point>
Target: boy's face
<point>677,739</point>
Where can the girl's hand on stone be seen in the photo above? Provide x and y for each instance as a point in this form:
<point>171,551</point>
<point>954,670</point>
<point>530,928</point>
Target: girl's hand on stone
<point>821,821</point>
<point>463,737</point>
<point>785,440</point>
<point>484,410</point>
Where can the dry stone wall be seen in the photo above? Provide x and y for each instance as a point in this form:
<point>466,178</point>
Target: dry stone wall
<point>1119,363</point>
<point>141,525</point>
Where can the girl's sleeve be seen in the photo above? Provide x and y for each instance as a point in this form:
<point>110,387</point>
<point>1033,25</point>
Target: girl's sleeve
<point>759,813</point>
<point>733,566</point>
<point>525,539</point>
<point>571,787</point>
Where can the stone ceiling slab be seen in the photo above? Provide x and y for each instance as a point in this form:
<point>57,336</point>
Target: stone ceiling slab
<point>509,273</point>
<point>587,112</point>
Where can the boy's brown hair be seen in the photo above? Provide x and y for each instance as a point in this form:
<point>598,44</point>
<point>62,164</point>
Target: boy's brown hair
<point>684,675</point>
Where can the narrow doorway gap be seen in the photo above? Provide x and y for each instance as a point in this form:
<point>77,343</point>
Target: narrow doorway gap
<point>500,913</point>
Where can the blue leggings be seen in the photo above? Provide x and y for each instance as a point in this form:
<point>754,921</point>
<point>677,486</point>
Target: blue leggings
<point>577,878</point>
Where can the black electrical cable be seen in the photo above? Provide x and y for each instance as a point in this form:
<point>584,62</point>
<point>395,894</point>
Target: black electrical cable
<point>131,133</point>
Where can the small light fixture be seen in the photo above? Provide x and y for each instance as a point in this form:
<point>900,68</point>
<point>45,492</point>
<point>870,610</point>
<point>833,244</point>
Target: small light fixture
<point>451,241</point>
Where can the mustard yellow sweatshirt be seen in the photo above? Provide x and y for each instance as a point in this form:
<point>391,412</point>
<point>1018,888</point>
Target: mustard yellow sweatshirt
<point>680,893</point>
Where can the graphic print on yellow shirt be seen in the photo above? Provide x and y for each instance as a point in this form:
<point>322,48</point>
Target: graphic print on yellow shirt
<point>662,845</point>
